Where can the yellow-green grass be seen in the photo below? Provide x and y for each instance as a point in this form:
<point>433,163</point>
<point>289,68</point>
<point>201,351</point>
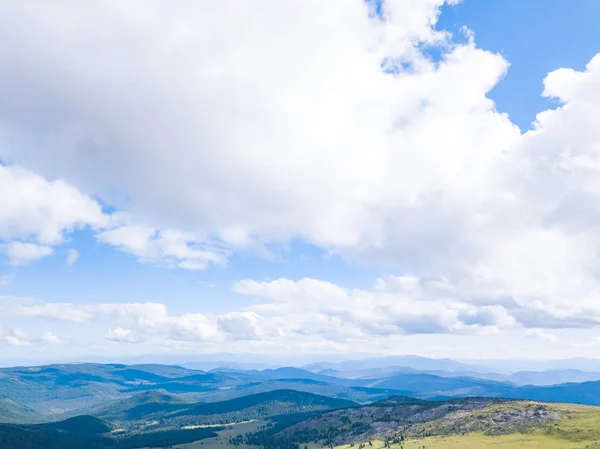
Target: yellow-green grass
<point>578,428</point>
<point>480,441</point>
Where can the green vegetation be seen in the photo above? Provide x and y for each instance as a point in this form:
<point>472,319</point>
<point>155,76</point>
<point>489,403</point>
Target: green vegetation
<point>398,422</point>
<point>12,412</point>
<point>143,406</point>
<point>60,391</point>
<point>230,438</point>
<point>92,433</point>
<point>172,413</point>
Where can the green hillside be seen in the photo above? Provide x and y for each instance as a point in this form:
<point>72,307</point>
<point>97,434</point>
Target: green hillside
<point>76,433</point>
<point>171,412</point>
<point>139,406</point>
<point>65,390</point>
<point>92,433</point>
<point>465,424</point>
<point>404,422</point>
<point>12,412</point>
<point>79,425</point>
<point>288,419</point>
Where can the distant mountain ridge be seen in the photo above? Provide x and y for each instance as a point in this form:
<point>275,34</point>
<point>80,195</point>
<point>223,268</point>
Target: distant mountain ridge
<point>35,394</point>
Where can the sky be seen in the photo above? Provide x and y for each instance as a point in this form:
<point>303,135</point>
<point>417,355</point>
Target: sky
<point>315,179</point>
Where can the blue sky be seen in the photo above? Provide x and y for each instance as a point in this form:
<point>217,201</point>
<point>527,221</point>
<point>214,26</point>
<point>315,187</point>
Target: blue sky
<point>256,183</point>
<point>535,37</point>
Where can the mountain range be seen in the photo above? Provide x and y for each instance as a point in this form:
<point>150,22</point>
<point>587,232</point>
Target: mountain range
<point>118,406</point>
<point>35,394</point>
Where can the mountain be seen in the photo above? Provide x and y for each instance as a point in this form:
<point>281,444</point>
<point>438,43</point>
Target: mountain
<point>65,390</point>
<point>172,412</point>
<point>69,389</point>
<point>59,388</point>
<point>539,378</point>
<point>578,393</point>
<point>79,425</point>
<point>137,406</point>
<point>76,433</point>
<point>299,373</point>
<point>288,419</point>
<point>552,377</point>
<point>412,361</point>
<point>430,386</point>
<point>195,383</point>
<point>361,395</point>
<point>13,412</point>
<point>355,425</point>
<point>504,366</point>
<point>93,433</point>
<point>460,423</point>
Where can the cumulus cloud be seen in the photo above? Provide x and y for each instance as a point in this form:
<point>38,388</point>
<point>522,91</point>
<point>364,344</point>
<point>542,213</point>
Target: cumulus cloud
<point>325,149</point>
<point>309,120</point>
<point>541,335</point>
<point>372,312</point>
<point>121,335</point>
<point>45,211</point>
<point>302,313</point>
<point>40,209</point>
<point>166,246</point>
<point>301,310</point>
<point>50,338</point>
<point>16,337</point>
<point>21,253</point>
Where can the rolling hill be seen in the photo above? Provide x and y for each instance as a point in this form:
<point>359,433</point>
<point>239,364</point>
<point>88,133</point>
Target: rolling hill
<point>15,413</point>
<point>60,391</point>
<point>460,423</point>
<point>579,393</point>
<point>59,388</point>
<point>289,419</point>
<point>137,406</point>
<point>171,412</point>
<point>75,433</point>
<point>430,386</point>
<point>93,433</point>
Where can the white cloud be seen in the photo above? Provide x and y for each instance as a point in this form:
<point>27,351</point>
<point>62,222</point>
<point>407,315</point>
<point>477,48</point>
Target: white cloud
<point>72,256</point>
<point>168,247</point>
<point>307,302</point>
<point>42,210</point>
<point>291,310</point>
<point>121,335</point>
<point>325,147</point>
<point>541,335</point>
<point>279,124</point>
<point>16,337</point>
<point>50,338</point>
<point>20,253</point>
<point>45,211</point>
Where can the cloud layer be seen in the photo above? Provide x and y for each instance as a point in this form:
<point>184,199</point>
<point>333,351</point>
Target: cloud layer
<point>184,133</point>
